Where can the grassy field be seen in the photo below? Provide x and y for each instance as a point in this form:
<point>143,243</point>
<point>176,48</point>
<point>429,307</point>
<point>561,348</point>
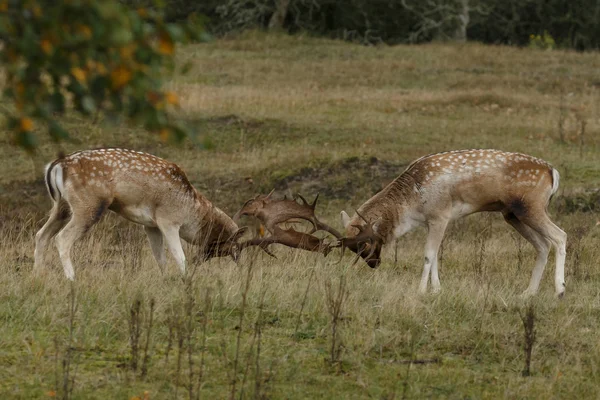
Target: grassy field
<point>317,116</point>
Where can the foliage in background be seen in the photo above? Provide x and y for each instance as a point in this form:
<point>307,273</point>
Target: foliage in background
<point>573,24</point>
<point>90,55</point>
<point>544,41</point>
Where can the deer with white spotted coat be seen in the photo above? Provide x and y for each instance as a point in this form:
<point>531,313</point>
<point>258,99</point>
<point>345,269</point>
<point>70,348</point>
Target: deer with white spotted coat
<point>140,187</point>
<point>439,188</point>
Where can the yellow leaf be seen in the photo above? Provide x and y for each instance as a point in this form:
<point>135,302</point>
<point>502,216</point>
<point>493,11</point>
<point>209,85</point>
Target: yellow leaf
<point>51,393</point>
<point>12,55</point>
<point>126,52</point>
<point>36,11</point>
<point>90,64</point>
<point>136,398</point>
<point>153,97</point>
<point>171,98</point>
<point>26,124</point>
<point>100,69</point>
<point>142,12</point>
<point>120,77</point>
<point>20,88</point>
<point>164,134</point>
<point>46,46</point>
<point>79,74</point>
<point>85,31</point>
<point>165,45</point>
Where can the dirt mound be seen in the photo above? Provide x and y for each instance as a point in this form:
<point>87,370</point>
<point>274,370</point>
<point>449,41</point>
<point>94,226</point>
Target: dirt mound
<point>343,179</point>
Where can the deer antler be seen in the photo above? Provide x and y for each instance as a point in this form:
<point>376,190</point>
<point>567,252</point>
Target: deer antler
<point>367,239</point>
<point>366,244</point>
<point>272,212</point>
<point>290,238</point>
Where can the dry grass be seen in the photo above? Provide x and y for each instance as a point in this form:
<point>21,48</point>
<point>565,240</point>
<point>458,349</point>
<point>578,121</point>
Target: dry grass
<point>269,108</point>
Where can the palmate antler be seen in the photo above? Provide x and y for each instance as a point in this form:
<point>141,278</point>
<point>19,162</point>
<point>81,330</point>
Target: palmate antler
<point>366,244</point>
<point>272,212</point>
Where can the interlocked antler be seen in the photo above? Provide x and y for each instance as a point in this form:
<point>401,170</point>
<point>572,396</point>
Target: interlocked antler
<point>367,241</point>
<point>272,212</point>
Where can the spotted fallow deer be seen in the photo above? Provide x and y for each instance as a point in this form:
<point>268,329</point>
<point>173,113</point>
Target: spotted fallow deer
<point>141,188</point>
<point>439,188</point>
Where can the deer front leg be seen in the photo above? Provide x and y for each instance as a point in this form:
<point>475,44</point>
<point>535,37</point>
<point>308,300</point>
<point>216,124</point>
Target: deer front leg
<point>436,230</point>
<point>171,236</point>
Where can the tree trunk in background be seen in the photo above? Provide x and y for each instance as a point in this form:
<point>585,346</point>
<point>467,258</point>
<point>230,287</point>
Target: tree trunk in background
<point>278,17</point>
<point>460,35</point>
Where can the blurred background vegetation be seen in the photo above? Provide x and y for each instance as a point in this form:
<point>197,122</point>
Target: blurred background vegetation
<point>571,24</point>
<point>94,57</point>
<point>110,58</point>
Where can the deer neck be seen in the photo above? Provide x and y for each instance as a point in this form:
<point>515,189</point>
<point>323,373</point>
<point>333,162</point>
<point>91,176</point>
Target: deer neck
<point>393,206</point>
<point>208,223</point>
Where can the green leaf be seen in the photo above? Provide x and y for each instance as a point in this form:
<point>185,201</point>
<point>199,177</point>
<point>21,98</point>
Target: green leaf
<point>98,87</point>
<point>175,32</point>
<point>121,36</point>
<point>57,132</point>
<point>58,45</point>
<point>57,102</point>
<point>26,140</point>
<point>88,104</point>
<point>179,133</point>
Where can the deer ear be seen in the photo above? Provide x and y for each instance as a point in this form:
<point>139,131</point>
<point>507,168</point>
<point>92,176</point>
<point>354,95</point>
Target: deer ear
<point>345,219</point>
<point>377,225</point>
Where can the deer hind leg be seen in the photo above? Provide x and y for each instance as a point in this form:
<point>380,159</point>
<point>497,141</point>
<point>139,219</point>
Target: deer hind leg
<point>436,230</point>
<point>171,236</point>
<point>84,217</point>
<point>541,245</point>
<point>57,220</point>
<point>542,224</point>
<point>155,238</point>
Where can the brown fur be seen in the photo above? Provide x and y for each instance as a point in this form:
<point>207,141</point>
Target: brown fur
<point>140,187</point>
<point>438,188</point>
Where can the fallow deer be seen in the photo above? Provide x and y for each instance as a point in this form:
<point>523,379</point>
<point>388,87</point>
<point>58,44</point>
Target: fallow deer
<point>141,188</point>
<point>438,188</point>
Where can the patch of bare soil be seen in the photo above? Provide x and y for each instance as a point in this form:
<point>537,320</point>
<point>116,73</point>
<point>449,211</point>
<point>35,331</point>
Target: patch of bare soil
<point>344,179</point>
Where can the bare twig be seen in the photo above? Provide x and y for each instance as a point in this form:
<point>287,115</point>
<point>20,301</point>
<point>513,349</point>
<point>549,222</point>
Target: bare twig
<point>68,382</point>
<point>562,111</point>
<point>146,358</point>
<point>203,343</point>
<point>134,333</point>
<point>302,304</point>
<point>528,320</point>
<point>417,361</point>
<point>335,302</point>
<point>240,329</point>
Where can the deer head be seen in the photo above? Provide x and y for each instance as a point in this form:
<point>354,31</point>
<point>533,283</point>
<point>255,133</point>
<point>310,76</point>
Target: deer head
<point>362,239</point>
<point>228,247</point>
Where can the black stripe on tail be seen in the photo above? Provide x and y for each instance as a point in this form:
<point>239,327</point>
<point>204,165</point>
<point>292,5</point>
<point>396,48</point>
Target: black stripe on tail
<point>48,183</point>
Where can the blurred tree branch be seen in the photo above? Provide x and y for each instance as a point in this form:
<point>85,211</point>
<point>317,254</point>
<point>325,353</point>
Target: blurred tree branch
<point>89,56</point>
